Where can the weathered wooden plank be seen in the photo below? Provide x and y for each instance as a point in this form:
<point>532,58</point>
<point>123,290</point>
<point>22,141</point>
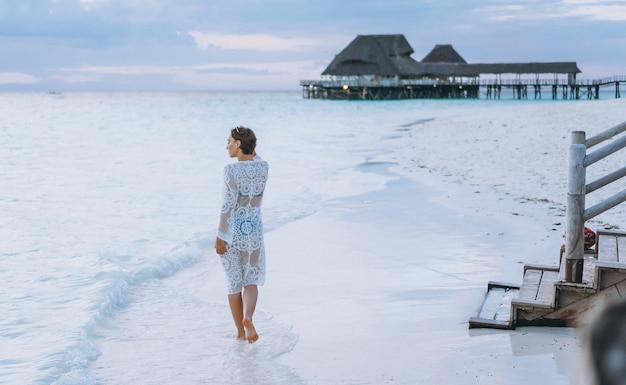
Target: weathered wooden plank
<point>506,285</point>
<point>621,249</point>
<point>589,271</point>
<point>570,313</point>
<point>546,291</point>
<point>520,303</point>
<point>531,315</point>
<point>530,286</point>
<point>537,291</point>
<point>608,236</point>
<point>607,247</point>
<point>476,322</point>
<point>496,311</point>
<point>611,232</point>
<point>610,276</point>
<point>497,304</point>
<point>611,265</point>
<point>568,294</point>
<point>621,289</point>
<point>532,266</point>
<point>562,266</point>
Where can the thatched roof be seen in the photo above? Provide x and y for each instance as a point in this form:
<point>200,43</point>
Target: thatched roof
<point>390,55</point>
<point>474,70</point>
<point>527,68</point>
<point>384,55</point>
<point>446,69</point>
<point>443,53</point>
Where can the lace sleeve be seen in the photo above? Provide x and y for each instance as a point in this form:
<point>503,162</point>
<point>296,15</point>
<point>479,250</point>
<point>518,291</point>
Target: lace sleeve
<point>229,200</point>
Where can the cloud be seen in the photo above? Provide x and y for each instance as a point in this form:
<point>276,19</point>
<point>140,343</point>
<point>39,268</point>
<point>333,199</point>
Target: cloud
<point>109,44</point>
<point>598,10</point>
<point>254,42</point>
<point>17,78</point>
<point>607,12</point>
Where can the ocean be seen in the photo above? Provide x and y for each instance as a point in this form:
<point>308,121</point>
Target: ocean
<point>109,207</point>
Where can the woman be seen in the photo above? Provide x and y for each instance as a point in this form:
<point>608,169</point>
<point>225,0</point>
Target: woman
<point>239,239</point>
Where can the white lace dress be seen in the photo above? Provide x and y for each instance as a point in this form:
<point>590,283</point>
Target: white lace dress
<point>240,223</point>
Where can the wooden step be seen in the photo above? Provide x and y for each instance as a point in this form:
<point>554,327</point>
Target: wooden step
<point>495,311</point>
<point>537,290</point>
<point>609,274</point>
<point>611,246</point>
<point>544,298</point>
<point>611,265</point>
<point>537,297</point>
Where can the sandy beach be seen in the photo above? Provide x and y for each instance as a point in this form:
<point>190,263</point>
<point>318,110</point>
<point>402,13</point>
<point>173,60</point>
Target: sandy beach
<point>449,228</point>
<point>419,334</point>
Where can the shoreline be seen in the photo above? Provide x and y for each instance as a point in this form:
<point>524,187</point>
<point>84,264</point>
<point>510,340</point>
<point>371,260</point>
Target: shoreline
<point>386,281</point>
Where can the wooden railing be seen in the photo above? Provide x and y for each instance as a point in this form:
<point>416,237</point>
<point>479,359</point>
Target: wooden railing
<point>528,82</point>
<point>609,80</point>
<point>355,81</point>
<point>577,189</point>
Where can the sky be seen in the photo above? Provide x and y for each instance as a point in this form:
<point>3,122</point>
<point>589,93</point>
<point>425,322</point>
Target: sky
<point>198,45</point>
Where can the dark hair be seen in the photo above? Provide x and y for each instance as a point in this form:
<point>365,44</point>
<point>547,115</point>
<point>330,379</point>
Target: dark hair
<point>246,137</point>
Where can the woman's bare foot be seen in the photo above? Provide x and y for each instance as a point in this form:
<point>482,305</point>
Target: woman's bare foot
<point>251,335</point>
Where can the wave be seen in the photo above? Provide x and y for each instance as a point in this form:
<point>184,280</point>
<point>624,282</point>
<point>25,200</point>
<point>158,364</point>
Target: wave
<point>72,366</point>
<point>118,288</point>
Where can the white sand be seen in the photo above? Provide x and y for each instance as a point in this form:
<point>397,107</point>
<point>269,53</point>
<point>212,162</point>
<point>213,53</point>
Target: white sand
<point>357,326</point>
<point>380,286</point>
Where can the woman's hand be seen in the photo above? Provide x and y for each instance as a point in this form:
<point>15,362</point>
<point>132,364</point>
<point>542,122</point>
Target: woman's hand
<point>220,246</point>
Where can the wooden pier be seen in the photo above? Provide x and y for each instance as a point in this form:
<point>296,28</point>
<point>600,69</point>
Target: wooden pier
<point>363,89</point>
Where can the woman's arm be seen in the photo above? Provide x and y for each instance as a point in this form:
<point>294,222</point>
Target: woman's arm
<point>229,201</point>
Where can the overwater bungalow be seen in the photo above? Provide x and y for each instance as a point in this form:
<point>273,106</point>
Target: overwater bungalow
<point>379,67</point>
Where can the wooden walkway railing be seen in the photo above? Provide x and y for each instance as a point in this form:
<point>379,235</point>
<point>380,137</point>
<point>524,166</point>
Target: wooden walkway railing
<point>368,87</point>
<point>577,189</point>
<point>604,81</point>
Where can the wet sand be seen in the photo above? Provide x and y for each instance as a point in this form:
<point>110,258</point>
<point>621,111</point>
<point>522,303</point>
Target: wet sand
<point>380,286</point>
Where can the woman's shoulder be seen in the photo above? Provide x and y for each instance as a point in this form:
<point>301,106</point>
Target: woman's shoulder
<point>260,160</point>
<point>256,162</point>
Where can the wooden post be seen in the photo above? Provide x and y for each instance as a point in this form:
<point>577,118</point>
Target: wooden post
<point>574,241</point>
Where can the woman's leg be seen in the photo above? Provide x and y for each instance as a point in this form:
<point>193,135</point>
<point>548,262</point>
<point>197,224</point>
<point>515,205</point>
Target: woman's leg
<point>236,308</point>
<point>250,296</point>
